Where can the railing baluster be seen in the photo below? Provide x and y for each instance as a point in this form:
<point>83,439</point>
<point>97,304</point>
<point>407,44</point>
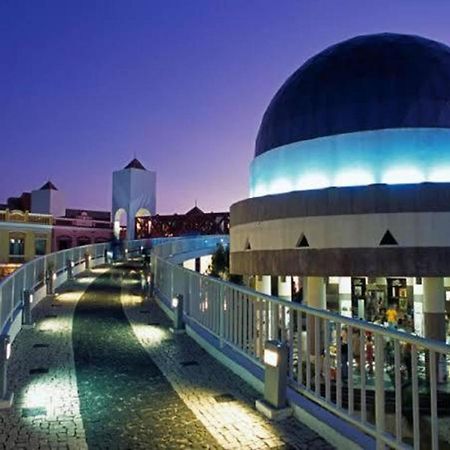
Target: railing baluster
<point>379,389</point>
<point>338,366</point>
<point>350,393</point>
<point>362,371</point>
<point>415,398</point>
<point>260,326</point>
<point>299,348</point>
<point>291,344</point>
<point>398,392</point>
<point>308,350</point>
<point>235,316</point>
<point>251,322</point>
<point>326,368</point>
<point>317,355</point>
<point>433,400</point>
<point>245,327</point>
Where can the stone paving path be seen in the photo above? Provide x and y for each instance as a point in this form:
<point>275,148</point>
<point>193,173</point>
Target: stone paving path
<point>45,412</point>
<point>130,388</point>
<point>125,400</point>
<point>200,381</point>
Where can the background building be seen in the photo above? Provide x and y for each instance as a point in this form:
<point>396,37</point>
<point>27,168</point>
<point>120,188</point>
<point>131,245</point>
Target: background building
<point>37,223</point>
<point>81,227</point>
<point>195,221</point>
<point>349,188</point>
<point>133,195</point>
<point>23,236</point>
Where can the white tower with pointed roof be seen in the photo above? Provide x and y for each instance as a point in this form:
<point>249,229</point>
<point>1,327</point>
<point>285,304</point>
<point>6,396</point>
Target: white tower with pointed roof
<point>48,200</point>
<point>134,194</point>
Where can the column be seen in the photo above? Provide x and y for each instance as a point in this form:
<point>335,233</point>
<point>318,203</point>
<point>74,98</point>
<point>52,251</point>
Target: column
<point>418,306</point>
<point>315,297</point>
<point>189,264</point>
<point>205,262</point>
<point>285,293</point>
<point>285,288</point>
<point>315,292</point>
<point>434,308</point>
<point>263,284</point>
<point>345,296</point>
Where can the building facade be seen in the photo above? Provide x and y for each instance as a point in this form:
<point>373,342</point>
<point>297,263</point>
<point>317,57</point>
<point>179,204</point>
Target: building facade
<point>49,227</point>
<point>79,227</point>
<point>23,236</point>
<point>194,222</point>
<point>349,204</point>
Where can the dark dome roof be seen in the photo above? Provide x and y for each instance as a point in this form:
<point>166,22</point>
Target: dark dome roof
<point>365,83</point>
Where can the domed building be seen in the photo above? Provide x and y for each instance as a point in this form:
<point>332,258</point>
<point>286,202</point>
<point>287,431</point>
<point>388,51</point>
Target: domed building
<point>349,202</point>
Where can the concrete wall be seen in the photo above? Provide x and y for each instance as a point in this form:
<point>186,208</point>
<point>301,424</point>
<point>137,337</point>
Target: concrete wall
<point>344,228</point>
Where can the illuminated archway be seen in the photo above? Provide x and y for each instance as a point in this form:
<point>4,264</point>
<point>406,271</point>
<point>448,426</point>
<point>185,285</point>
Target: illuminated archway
<point>120,221</point>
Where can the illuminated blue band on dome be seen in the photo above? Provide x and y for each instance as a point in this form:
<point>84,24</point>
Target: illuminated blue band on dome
<point>392,156</point>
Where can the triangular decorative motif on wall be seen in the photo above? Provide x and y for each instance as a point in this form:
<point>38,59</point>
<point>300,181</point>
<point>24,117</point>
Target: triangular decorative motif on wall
<point>247,245</point>
<point>388,239</point>
<point>302,241</point>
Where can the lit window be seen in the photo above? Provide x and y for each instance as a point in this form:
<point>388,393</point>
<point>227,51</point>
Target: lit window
<point>40,246</point>
<point>17,247</point>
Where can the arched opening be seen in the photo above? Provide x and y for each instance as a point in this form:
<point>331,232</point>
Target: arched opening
<point>142,223</point>
<point>120,224</point>
<point>142,212</point>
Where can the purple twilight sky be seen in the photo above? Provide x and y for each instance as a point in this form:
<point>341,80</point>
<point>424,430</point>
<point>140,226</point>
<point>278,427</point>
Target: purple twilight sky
<point>86,84</point>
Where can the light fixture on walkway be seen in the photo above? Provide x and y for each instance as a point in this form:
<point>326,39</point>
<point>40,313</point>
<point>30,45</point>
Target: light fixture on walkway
<point>5,353</point>
<point>274,405</point>
<point>177,306</point>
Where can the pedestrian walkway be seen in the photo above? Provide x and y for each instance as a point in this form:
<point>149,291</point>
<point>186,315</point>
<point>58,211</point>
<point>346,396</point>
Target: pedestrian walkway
<point>127,386</point>
<point>125,400</point>
<point>218,397</point>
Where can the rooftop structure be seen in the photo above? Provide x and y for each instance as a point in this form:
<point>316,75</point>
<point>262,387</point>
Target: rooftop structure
<point>350,185</point>
<point>358,113</point>
<point>194,222</point>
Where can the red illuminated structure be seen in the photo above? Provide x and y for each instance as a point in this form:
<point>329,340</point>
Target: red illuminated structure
<point>195,221</point>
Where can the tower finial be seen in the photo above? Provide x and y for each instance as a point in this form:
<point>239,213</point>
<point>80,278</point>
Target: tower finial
<point>195,202</point>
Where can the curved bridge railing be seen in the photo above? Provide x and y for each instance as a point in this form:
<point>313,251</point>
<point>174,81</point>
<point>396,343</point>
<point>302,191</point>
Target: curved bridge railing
<point>41,274</point>
<point>370,376</point>
<point>44,274</point>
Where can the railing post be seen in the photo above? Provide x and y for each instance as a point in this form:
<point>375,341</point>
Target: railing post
<point>27,320</point>
<point>69,268</point>
<point>87,261</point>
<point>221,314</point>
<point>11,300</point>
<point>49,281</point>
<point>5,351</point>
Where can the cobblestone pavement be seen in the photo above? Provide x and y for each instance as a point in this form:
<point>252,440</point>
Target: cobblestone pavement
<point>125,400</point>
<point>199,380</point>
<point>160,397</point>
<point>45,413</point>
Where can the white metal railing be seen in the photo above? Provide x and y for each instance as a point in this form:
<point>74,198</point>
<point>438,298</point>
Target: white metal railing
<point>371,376</point>
<point>32,277</point>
